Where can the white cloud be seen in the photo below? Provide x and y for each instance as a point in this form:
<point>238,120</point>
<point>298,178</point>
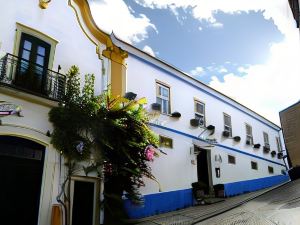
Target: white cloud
<point>149,50</point>
<point>198,71</point>
<point>222,70</point>
<point>277,10</point>
<point>116,16</point>
<point>242,69</point>
<point>200,28</point>
<point>216,25</point>
<point>266,88</point>
<point>269,88</point>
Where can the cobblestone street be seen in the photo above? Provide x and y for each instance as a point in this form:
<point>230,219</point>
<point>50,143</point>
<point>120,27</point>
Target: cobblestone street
<point>280,206</point>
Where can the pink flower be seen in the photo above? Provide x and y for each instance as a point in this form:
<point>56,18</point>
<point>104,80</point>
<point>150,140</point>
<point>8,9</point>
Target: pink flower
<point>150,152</point>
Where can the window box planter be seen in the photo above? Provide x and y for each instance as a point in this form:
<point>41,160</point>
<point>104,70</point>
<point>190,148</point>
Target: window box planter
<point>257,146</point>
<point>225,133</point>
<point>273,153</point>
<point>211,128</point>
<point>194,122</point>
<point>176,115</point>
<point>266,149</point>
<point>279,155</point>
<point>237,138</point>
<point>130,95</point>
<point>156,106</point>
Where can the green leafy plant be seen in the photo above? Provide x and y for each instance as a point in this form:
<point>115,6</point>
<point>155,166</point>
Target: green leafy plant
<point>112,131</point>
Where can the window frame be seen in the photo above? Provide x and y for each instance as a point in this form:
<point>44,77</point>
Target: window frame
<point>254,165</point>
<point>168,99</point>
<point>21,28</point>
<point>232,157</point>
<point>266,139</point>
<point>199,114</point>
<point>227,127</point>
<point>97,188</point>
<point>249,136</point>
<point>165,146</point>
<point>278,143</point>
<point>271,169</point>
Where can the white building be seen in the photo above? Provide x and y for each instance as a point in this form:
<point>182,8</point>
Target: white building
<point>249,159</point>
<point>38,46</point>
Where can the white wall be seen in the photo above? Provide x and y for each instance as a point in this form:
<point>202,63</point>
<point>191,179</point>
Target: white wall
<point>141,79</point>
<point>57,21</point>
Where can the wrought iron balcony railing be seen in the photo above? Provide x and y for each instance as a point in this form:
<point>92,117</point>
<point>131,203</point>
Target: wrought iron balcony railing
<point>31,77</point>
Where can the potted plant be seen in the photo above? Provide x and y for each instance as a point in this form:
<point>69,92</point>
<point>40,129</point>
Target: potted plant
<point>256,146</point>
<point>176,115</point>
<point>156,106</point>
<point>194,122</point>
<point>279,155</point>
<point>237,138</point>
<point>225,133</point>
<point>266,149</point>
<point>273,153</point>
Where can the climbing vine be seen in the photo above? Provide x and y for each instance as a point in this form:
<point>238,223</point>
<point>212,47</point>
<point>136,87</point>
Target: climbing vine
<point>110,131</point>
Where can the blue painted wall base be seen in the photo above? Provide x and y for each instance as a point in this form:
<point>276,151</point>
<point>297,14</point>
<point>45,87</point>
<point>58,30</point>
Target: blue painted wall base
<point>169,201</point>
<point>241,187</point>
<point>160,203</point>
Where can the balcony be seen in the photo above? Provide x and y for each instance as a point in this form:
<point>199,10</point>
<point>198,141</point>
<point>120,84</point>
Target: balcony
<point>21,74</point>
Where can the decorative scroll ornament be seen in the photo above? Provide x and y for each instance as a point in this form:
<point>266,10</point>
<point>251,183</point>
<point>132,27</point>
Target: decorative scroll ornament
<point>44,4</point>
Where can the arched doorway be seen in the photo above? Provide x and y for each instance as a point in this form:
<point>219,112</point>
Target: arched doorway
<point>21,171</point>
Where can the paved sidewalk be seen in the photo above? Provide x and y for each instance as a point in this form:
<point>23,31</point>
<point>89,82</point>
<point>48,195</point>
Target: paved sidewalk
<point>191,215</point>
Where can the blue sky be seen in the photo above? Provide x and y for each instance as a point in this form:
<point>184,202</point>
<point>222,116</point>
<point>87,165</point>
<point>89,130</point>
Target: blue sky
<point>245,49</point>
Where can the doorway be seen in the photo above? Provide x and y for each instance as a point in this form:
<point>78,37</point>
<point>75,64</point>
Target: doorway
<point>203,168</point>
<point>21,170</point>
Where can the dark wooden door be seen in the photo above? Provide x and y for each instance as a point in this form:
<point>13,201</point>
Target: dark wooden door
<point>21,169</point>
<point>33,64</point>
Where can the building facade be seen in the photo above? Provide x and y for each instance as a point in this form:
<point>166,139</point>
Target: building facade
<point>207,137</point>
<point>38,45</point>
<point>290,122</point>
<point>204,136</point>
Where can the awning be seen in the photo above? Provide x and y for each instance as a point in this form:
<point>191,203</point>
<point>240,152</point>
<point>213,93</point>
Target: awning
<point>203,144</point>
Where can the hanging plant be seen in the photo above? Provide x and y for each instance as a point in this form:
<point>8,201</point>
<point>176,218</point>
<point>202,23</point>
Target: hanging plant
<point>113,130</point>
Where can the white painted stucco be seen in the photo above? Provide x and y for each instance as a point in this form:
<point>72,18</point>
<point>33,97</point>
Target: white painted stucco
<point>175,171</point>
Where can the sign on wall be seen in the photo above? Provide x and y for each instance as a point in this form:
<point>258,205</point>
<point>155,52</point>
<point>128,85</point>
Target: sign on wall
<point>7,109</point>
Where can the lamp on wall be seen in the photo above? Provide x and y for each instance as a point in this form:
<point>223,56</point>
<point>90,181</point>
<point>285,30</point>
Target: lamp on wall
<point>44,4</point>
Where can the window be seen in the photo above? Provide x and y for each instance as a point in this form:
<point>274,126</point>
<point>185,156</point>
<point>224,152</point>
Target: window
<point>165,142</point>
<point>231,159</point>
<point>270,169</point>
<point>200,112</point>
<point>254,165</point>
<point>249,137</point>
<point>266,139</point>
<point>278,144</point>
<point>32,70</point>
<point>227,124</point>
<point>163,98</point>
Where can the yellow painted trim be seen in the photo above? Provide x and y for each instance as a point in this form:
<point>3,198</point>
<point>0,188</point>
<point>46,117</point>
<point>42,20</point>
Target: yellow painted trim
<point>95,35</point>
<point>28,137</point>
<point>23,127</point>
